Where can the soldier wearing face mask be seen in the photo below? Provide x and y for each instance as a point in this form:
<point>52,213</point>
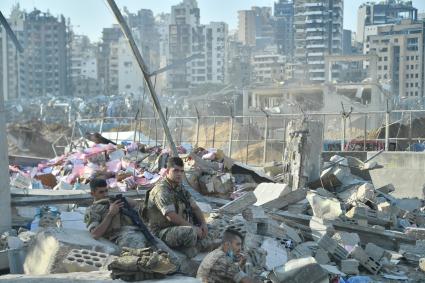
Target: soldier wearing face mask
<point>226,263</point>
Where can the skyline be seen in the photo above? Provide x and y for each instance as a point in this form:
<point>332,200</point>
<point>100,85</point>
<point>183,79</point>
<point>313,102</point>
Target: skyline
<point>81,19</point>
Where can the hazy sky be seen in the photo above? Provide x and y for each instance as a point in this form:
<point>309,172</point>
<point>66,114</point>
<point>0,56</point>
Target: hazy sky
<point>90,16</point>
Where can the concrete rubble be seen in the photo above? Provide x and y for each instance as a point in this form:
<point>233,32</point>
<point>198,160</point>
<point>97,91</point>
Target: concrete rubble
<point>300,223</point>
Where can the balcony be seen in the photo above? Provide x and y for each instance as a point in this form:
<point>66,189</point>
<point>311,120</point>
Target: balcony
<point>312,54</point>
<point>313,5</point>
<point>314,21</point>
<point>311,46</point>
<point>313,37</point>
<point>314,29</point>
<point>312,13</point>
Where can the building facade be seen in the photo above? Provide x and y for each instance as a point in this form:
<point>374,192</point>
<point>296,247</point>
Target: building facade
<point>400,48</point>
<point>246,27</point>
<point>284,27</point>
<point>385,12</point>
<point>318,32</point>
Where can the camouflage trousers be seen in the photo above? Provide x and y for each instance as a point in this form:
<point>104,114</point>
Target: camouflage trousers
<point>186,237</point>
<point>131,237</point>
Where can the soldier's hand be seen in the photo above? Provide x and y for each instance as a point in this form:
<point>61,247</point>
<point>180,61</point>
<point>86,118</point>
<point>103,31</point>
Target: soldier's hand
<point>114,208</point>
<point>241,258</point>
<point>199,232</point>
<point>204,229</point>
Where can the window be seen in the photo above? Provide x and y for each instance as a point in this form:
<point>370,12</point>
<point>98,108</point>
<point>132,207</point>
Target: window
<point>416,76</point>
<point>385,67</point>
<point>385,58</point>
<point>412,57</point>
<point>411,67</point>
<point>407,85</point>
<point>407,58</point>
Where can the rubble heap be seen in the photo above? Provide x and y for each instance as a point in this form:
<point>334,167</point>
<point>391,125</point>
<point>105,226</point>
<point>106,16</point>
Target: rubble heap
<point>326,225</point>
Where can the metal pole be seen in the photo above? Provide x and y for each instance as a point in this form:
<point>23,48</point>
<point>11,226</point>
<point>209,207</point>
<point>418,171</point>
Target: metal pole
<point>266,131</point>
<point>247,140</point>
<point>410,131</point>
<point>164,136</point>
<point>365,132</point>
<point>149,131</point>
<point>387,127</point>
<point>284,137</point>
<point>181,130</point>
<point>213,138</point>
<point>145,72</point>
<point>197,127</point>
<point>343,133</point>
<point>229,153</point>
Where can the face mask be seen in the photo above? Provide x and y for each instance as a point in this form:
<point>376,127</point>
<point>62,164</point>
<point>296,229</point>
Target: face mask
<point>231,254</point>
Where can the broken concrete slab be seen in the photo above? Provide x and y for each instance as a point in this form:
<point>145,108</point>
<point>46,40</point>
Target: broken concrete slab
<point>274,229</point>
<point>254,214</point>
<point>321,256</point>
<point>320,227</point>
<point>415,232</point>
<point>347,240</point>
<point>377,252</point>
<point>239,204</point>
<point>299,271</point>
<point>302,152</point>
<point>52,245</point>
<point>285,200</point>
<point>336,251</point>
<point>326,208</point>
<point>365,260</point>
<point>86,277</point>
<point>350,266</point>
<point>267,192</point>
<point>276,253</point>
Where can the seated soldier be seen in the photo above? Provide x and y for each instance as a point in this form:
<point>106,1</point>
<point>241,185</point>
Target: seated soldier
<point>172,212</point>
<point>226,263</point>
<point>103,218</point>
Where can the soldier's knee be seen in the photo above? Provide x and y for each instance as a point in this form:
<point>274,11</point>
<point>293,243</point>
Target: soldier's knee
<point>189,236</point>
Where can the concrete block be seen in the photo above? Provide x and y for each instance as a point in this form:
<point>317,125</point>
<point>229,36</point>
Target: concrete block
<point>285,200</point>
<point>267,192</point>
<point>365,260</point>
<point>51,246</point>
<point>320,227</point>
<point>387,189</point>
<point>276,253</point>
<point>254,213</point>
<point>336,251</point>
<point>239,204</point>
<point>85,260</point>
<point>372,216</point>
<point>347,240</point>
<point>326,208</point>
<point>363,193</point>
<point>300,270</point>
<point>321,256</point>
<point>273,229</point>
<point>350,266</point>
<point>305,249</point>
<point>374,251</point>
<point>415,232</point>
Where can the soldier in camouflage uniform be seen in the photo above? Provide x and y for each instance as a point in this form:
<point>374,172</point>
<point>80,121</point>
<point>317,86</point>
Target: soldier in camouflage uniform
<point>172,213</point>
<point>225,264</point>
<point>103,219</point>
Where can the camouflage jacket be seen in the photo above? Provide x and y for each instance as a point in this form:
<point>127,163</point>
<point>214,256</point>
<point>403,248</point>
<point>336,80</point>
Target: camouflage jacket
<point>164,199</point>
<point>219,268</point>
<point>97,212</point>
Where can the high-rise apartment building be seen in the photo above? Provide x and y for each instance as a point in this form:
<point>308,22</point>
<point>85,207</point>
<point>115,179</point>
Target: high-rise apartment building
<point>400,50</point>
<point>384,12</point>
<point>318,32</point>
<point>187,37</point>
<point>10,57</point>
<point>109,36</point>
<point>43,67</point>
<point>284,27</point>
<point>246,27</point>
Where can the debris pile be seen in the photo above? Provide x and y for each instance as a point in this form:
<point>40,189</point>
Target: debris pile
<point>300,223</point>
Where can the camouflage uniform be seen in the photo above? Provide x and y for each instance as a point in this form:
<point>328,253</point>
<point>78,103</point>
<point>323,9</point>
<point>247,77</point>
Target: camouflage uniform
<point>162,200</point>
<point>219,268</point>
<point>121,230</point>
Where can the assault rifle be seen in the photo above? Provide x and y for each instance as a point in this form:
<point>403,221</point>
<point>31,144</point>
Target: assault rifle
<point>127,210</point>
